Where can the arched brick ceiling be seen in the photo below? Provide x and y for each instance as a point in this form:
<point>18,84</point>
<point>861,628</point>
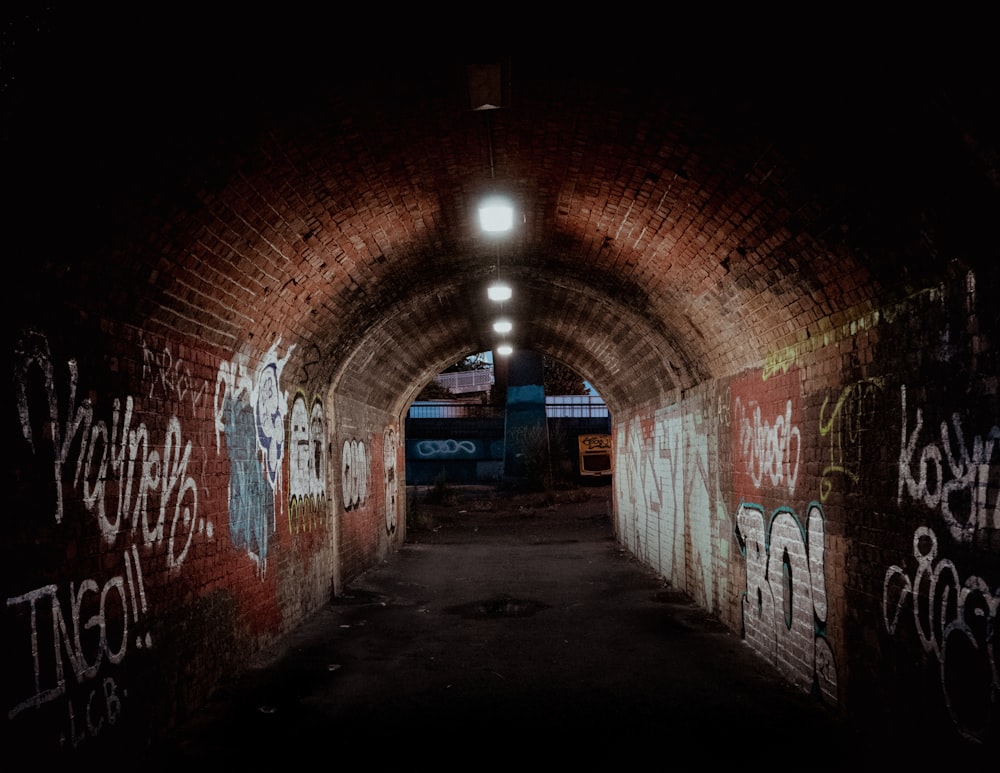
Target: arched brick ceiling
<point>670,228</point>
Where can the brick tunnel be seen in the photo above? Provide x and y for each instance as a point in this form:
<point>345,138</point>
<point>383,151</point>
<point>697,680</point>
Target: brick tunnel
<point>235,262</point>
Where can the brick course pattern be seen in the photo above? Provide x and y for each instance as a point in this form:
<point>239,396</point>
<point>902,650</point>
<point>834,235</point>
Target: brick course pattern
<point>223,317</point>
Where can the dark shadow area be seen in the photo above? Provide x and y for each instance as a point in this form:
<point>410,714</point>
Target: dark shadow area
<point>511,630</point>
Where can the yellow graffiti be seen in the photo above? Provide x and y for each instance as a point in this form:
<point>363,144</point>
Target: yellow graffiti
<point>306,513</point>
<point>779,362</point>
<point>844,429</point>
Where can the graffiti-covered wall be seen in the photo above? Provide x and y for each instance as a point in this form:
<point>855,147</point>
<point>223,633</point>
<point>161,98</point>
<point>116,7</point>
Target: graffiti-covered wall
<point>370,479</point>
<point>839,508</point>
<point>172,511</point>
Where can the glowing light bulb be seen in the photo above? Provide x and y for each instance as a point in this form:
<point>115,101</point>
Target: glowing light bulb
<point>499,292</point>
<point>496,215</point>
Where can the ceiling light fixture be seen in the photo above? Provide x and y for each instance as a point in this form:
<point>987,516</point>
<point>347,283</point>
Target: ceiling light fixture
<point>499,291</point>
<point>496,215</point>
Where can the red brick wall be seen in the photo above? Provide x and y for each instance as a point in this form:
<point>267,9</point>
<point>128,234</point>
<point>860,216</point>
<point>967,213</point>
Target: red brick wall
<point>370,522</point>
<point>838,508</point>
<point>181,507</point>
<point>175,509</point>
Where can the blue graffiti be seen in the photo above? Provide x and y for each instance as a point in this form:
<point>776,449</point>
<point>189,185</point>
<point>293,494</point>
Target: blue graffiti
<point>251,502</point>
<point>443,449</point>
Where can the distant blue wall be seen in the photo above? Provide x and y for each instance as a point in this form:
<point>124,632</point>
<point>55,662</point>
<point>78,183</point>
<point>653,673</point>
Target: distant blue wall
<point>454,450</point>
<point>464,451</point>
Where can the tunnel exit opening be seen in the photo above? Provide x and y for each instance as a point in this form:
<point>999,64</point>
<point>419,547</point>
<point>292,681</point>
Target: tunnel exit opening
<point>531,424</point>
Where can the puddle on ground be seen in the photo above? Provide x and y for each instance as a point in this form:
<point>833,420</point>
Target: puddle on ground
<point>497,607</point>
<point>357,596</point>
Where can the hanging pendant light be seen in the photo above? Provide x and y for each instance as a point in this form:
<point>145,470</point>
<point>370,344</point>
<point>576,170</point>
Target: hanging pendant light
<point>496,215</point>
<point>499,291</point>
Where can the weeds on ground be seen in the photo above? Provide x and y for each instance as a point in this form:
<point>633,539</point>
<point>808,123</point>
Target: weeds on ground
<point>424,506</point>
<point>441,493</point>
<point>420,519</point>
<point>417,519</point>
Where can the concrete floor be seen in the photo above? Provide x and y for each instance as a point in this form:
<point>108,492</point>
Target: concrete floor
<point>499,637</point>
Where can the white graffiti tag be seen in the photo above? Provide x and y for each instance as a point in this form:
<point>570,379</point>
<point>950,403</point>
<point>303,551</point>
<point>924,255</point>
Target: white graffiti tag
<point>639,490</point>
<point>389,452</point>
<point>785,605</point>
<point>354,474</point>
<point>772,450</point>
<point>122,479</point>
<point>952,477</point>
<point>171,377</point>
<point>306,465</point>
<point>955,621</point>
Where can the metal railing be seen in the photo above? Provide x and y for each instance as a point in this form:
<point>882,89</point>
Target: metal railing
<point>575,407</point>
<point>556,406</point>
<point>434,409</point>
<point>464,381</point>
